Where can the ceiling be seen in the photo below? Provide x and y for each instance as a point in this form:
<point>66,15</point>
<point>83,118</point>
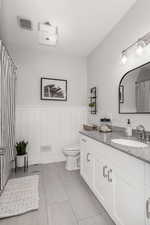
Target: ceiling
<point>82,24</point>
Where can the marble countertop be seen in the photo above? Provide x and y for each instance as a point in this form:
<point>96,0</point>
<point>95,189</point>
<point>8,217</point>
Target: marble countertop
<point>106,138</point>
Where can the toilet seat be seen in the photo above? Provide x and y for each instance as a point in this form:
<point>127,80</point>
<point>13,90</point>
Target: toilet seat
<point>72,148</point>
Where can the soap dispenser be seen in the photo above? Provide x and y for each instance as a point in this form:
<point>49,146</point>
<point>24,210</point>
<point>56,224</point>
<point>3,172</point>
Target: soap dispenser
<point>129,128</point>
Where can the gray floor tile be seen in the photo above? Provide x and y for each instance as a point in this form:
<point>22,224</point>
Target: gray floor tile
<point>84,203</point>
<point>54,190</point>
<point>98,220</point>
<point>61,214</point>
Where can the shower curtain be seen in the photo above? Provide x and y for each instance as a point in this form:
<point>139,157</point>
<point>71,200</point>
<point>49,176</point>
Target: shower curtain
<point>143,96</point>
<point>7,92</point>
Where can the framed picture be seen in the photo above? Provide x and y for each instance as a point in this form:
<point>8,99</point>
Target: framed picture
<point>121,94</point>
<point>53,89</point>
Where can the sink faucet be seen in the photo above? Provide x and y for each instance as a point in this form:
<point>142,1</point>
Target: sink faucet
<point>141,133</point>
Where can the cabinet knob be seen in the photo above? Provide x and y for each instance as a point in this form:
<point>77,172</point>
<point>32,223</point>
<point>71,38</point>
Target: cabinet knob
<point>148,208</point>
<point>109,178</point>
<point>104,172</point>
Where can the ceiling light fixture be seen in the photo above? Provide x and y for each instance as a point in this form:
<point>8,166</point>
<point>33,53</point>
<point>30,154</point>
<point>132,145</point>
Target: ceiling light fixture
<point>139,44</point>
<point>48,34</point>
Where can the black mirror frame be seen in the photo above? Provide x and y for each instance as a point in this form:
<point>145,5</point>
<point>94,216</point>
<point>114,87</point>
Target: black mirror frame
<point>119,93</point>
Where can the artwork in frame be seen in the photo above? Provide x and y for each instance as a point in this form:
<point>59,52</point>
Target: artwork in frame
<point>53,89</point>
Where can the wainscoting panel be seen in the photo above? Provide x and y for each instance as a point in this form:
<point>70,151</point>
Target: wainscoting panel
<point>48,129</point>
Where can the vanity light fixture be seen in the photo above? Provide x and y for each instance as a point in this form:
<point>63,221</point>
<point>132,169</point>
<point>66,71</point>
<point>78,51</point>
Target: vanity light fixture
<point>138,45</point>
<point>139,49</point>
<point>124,57</point>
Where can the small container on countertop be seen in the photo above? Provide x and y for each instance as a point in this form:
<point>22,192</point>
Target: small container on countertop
<point>129,128</point>
<point>105,125</point>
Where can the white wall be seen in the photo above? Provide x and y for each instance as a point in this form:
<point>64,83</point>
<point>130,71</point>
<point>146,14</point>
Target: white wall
<point>105,69</point>
<point>33,65</point>
<point>49,125</point>
<point>0,19</point>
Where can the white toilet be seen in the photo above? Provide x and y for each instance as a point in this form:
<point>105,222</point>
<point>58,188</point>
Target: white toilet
<point>72,153</point>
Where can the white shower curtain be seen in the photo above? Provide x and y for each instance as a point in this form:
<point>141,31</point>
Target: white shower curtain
<point>8,77</point>
<point>143,96</point>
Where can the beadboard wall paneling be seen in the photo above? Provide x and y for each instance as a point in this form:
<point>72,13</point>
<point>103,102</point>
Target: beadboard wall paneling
<point>48,129</point>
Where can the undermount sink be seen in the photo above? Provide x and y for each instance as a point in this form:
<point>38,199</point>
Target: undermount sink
<point>129,143</point>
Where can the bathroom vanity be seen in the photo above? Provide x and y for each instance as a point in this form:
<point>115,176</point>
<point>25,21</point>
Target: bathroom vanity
<point>118,175</point>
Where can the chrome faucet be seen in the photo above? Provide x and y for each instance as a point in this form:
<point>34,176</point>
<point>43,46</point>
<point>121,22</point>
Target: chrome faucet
<point>141,133</point>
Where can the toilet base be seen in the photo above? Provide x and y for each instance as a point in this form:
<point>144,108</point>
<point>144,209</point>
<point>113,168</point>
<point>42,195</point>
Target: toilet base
<point>72,163</point>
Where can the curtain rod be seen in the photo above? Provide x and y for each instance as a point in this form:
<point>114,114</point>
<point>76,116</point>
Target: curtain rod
<point>8,54</point>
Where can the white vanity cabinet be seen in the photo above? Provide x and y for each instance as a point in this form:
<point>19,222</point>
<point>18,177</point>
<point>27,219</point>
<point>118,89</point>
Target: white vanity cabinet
<point>118,181</point>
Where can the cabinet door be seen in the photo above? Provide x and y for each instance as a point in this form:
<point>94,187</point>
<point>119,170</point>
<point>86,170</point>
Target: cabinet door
<point>128,202</point>
<point>147,205</point>
<point>83,164</point>
<point>86,161</point>
<point>100,174</point>
<point>103,184</point>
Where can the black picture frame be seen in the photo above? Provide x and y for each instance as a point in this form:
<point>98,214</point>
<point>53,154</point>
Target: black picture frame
<point>50,91</point>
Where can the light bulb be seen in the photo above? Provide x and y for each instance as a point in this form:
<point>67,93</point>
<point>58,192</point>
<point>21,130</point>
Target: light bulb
<point>139,49</point>
<point>124,58</point>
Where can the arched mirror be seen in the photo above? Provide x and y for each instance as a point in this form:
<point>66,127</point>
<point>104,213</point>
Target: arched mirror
<point>134,91</point>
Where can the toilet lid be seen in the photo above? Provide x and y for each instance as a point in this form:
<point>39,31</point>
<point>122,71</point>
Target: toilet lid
<point>72,148</point>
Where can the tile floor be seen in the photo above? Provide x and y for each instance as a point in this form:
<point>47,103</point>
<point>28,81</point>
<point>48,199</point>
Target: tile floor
<point>65,199</point>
